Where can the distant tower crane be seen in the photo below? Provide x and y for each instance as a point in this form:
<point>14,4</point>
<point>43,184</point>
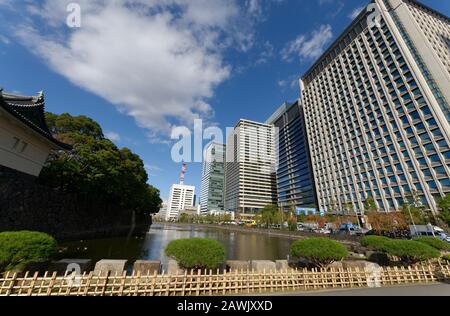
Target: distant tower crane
<point>183,173</point>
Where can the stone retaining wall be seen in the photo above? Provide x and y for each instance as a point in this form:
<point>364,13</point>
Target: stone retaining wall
<point>27,205</point>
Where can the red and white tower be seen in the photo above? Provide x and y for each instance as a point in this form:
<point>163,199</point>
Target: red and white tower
<point>183,173</point>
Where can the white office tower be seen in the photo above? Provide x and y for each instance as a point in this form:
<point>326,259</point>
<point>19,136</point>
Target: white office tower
<point>163,210</point>
<point>181,198</point>
<point>213,179</point>
<point>251,162</point>
<point>377,110</point>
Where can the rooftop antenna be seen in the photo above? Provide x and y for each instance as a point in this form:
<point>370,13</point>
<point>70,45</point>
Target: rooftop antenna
<point>183,173</point>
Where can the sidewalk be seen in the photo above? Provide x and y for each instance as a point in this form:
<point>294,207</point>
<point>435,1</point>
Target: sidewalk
<point>437,289</point>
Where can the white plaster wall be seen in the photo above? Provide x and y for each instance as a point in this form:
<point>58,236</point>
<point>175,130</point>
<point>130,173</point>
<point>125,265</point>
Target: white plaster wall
<point>14,154</point>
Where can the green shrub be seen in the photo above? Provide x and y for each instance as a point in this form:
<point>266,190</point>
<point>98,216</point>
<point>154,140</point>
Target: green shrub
<point>434,242</point>
<point>320,251</point>
<point>410,251</point>
<point>196,253</point>
<point>17,249</point>
<point>446,257</point>
<point>376,243</point>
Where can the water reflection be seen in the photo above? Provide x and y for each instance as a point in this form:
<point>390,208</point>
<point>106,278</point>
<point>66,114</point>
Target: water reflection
<point>238,245</point>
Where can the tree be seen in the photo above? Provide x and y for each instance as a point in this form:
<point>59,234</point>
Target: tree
<point>370,205</point>
<point>444,206</point>
<point>18,249</point>
<point>184,218</point>
<point>292,223</point>
<point>376,243</point>
<point>388,223</point>
<point>434,242</point>
<point>420,213</point>
<point>348,207</point>
<point>320,251</point>
<point>270,215</point>
<point>227,218</point>
<point>413,214</point>
<point>96,169</point>
<point>321,221</point>
<point>411,252</point>
<point>154,199</point>
<point>196,253</point>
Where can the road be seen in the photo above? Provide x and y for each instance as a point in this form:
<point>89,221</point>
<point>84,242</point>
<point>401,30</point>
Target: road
<point>415,290</point>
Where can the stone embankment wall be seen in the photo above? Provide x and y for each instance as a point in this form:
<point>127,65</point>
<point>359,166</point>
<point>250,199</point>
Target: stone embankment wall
<point>27,205</point>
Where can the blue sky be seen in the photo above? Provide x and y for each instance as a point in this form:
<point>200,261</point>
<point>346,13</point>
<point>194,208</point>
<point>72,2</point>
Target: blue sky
<point>141,67</point>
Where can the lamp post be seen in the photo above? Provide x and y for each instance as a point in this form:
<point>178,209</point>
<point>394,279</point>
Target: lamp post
<point>410,215</point>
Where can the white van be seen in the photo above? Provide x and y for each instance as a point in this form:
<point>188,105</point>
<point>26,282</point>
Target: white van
<point>427,230</point>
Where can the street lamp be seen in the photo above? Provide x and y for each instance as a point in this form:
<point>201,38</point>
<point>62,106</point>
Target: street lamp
<point>410,214</point>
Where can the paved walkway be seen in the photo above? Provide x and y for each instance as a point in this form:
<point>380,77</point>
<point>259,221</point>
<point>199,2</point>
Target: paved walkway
<point>415,290</point>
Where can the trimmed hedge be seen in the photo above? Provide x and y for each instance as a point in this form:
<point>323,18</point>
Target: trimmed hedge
<point>18,249</point>
<point>434,242</point>
<point>320,251</point>
<point>196,253</point>
<point>376,243</point>
<point>410,251</point>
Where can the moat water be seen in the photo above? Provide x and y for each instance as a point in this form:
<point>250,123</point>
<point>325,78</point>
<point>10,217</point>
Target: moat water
<point>238,245</point>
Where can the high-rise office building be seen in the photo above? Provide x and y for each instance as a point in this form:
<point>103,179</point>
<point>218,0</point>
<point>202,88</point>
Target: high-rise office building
<point>213,179</point>
<point>377,110</point>
<point>181,198</point>
<point>295,187</point>
<point>250,178</point>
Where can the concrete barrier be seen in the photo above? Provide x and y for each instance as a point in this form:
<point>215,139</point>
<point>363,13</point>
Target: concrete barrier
<point>145,267</point>
<point>61,266</point>
<point>237,265</point>
<point>361,264</point>
<point>336,265</point>
<point>373,271</point>
<point>282,265</point>
<point>112,266</point>
<point>174,268</point>
<point>263,265</point>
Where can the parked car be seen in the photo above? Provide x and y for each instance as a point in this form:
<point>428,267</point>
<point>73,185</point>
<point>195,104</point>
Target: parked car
<point>323,231</point>
<point>444,237</point>
<point>349,229</point>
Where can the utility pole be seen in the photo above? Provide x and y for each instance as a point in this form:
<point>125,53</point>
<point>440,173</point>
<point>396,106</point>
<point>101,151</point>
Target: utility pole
<point>410,215</point>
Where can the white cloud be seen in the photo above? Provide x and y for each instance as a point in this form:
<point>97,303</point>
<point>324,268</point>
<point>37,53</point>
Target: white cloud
<point>354,14</point>
<point>158,61</point>
<point>4,40</point>
<point>291,82</point>
<point>266,53</point>
<point>258,9</point>
<point>152,167</point>
<point>308,46</point>
<point>152,170</point>
<point>254,6</point>
<point>282,83</point>
<point>115,137</point>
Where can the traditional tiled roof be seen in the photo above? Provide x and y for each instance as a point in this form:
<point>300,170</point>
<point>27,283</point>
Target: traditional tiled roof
<point>31,112</point>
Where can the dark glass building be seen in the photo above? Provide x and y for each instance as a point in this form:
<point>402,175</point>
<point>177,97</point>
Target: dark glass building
<point>294,173</point>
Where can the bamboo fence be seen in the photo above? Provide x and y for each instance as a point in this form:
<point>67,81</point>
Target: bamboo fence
<point>214,283</point>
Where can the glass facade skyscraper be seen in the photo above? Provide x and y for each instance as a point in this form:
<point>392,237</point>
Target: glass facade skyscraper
<point>213,179</point>
<point>295,187</point>
<point>377,110</point>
